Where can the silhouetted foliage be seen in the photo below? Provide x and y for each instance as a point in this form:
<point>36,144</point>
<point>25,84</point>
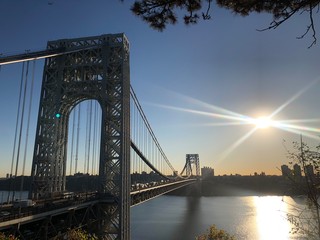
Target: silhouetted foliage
<point>159,13</point>
<point>7,237</point>
<point>215,234</point>
<point>79,234</point>
<point>72,234</point>
<point>306,220</point>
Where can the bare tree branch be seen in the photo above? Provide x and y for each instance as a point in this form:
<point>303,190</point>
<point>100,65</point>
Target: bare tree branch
<point>274,24</point>
<point>310,26</point>
<point>207,16</point>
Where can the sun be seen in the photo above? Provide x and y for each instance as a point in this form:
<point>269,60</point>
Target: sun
<point>262,122</point>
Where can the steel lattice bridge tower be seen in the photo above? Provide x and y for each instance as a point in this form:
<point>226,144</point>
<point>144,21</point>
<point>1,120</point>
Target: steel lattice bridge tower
<point>99,71</point>
<point>192,160</point>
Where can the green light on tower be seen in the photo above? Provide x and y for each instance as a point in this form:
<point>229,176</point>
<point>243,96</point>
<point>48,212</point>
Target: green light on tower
<point>58,115</point>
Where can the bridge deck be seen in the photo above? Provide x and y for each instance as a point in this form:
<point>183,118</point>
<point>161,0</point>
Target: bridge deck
<point>44,210</point>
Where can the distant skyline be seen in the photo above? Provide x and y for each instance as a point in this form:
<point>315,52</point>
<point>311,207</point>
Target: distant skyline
<point>185,78</point>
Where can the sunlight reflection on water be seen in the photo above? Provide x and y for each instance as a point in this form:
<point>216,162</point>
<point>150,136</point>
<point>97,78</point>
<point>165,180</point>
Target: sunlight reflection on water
<point>271,218</point>
<point>247,217</point>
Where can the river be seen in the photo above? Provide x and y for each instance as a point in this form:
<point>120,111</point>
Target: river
<point>183,218</point>
<point>6,195</point>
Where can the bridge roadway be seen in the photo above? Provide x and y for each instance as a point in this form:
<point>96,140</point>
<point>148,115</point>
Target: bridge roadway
<point>49,218</point>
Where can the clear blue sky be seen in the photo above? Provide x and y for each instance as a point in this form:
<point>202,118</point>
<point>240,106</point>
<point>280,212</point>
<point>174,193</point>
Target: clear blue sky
<point>224,62</point>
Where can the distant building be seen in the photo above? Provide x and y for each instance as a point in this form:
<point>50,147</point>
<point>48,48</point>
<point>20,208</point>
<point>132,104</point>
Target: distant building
<point>297,171</point>
<point>207,172</point>
<point>286,172</point>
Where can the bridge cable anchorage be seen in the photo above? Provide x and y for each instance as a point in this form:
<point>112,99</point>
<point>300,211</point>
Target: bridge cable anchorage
<point>132,93</point>
<point>27,127</point>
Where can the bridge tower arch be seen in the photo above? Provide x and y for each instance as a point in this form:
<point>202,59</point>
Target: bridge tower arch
<point>90,68</point>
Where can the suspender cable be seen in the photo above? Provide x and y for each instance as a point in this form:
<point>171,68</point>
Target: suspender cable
<point>86,140</point>
<point>149,127</point>
<point>96,141</point>
<point>94,138</point>
<point>89,135</point>
<point>98,137</point>
<point>77,144</point>
<point>21,122</point>
<point>27,130</point>
<point>72,138</point>
<point>16,131</point>
<point>135,139</point>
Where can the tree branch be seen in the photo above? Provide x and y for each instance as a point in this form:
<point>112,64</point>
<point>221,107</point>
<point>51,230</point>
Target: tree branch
<point>159,13</point>
<point>207,16</point>
<point>310,26</point>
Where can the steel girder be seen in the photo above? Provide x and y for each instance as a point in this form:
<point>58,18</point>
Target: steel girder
<point>99,71</point>
<point>55,223</point>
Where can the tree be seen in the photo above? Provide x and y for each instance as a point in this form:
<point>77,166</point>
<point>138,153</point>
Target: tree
<point>159,13</point>
<point>215,234</point>
<point>79,234</point>
<point>7,237</point>
<point>306,220</point>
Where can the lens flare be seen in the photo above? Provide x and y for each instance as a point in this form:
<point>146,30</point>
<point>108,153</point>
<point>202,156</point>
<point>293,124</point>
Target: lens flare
<point>263,122</point>
<point>233,118</point>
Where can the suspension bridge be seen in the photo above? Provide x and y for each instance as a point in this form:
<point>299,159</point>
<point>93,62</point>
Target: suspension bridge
<point>121,151</point>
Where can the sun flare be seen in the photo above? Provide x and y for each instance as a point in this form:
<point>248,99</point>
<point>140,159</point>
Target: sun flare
<point>230,118</point>
<point>263,122</point>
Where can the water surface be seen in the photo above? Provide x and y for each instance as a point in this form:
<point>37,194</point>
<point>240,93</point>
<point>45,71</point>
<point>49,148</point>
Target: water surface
<point>183,218</point>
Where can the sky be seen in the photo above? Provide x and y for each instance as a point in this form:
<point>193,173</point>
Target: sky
<point>184,77</point>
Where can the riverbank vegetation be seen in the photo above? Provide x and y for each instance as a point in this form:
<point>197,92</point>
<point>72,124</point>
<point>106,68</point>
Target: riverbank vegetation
<point>305,177</point>
<point>7,237</point>
<point>72,234</point>
<point>214,233</point>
